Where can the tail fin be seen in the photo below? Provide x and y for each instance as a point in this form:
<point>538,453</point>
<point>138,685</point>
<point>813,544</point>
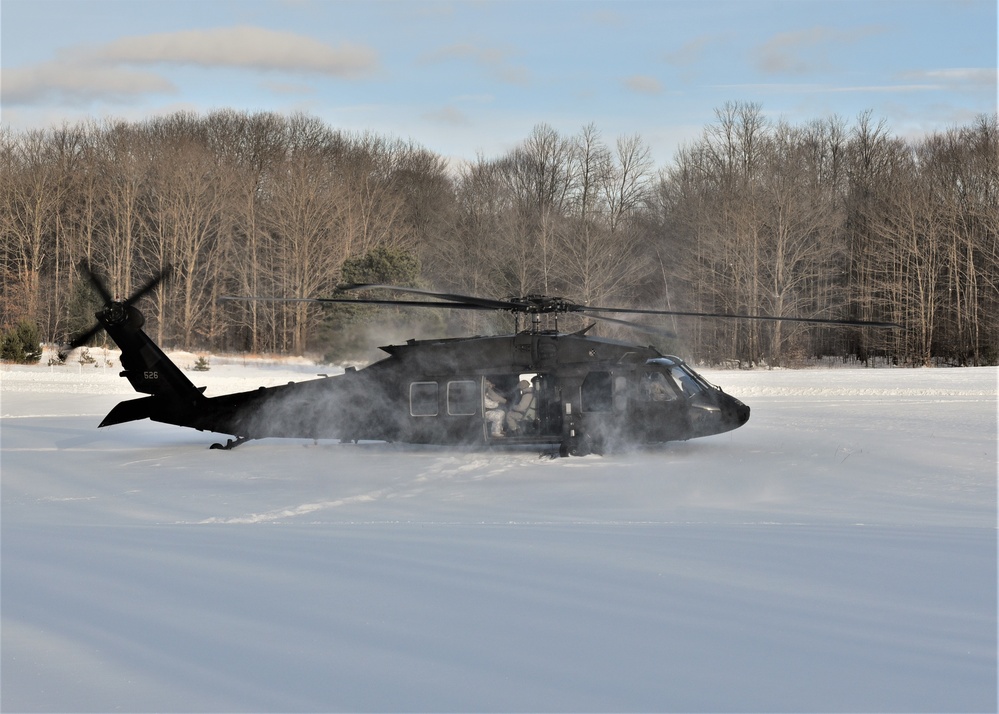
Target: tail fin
<point>147,368</point>
<point>173,397</point>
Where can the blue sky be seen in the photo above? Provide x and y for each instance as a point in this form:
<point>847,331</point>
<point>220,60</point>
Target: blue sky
<point>474,77</point>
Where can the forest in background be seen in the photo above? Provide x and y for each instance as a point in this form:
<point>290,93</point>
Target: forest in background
<point>829,219</point>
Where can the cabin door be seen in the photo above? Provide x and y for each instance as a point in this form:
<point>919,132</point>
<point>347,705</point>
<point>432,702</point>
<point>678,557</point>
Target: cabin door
<point>525,405</point>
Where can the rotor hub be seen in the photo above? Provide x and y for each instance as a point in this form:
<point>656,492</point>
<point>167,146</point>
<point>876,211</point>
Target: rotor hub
<point>538,304</point>
<point>114,314</point>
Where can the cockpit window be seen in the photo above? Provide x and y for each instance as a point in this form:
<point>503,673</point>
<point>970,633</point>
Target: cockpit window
<point>656,388</point>
<point>688,385</point>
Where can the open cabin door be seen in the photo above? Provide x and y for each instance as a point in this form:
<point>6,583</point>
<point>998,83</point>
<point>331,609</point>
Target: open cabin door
<point>526,414</point>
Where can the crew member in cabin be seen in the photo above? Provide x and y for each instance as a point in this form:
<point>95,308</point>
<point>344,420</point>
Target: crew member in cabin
<point>493,402</point>
<point>522,413</point>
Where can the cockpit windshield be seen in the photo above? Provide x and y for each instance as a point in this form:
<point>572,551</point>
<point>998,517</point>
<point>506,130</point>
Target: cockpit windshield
<point>689,382</point>
<point>685,380</point>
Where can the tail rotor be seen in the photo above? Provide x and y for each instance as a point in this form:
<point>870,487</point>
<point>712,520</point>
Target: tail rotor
<point>114,311</point>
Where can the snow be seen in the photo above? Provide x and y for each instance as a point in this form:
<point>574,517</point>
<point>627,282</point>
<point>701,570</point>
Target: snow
<point>837,553</point>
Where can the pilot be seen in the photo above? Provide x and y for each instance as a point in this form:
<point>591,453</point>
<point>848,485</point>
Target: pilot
<point>656,389</point>
<point>524,410</point>
<point>493,402</point>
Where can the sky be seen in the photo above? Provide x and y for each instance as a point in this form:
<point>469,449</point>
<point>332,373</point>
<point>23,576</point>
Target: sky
<point>473,78</point>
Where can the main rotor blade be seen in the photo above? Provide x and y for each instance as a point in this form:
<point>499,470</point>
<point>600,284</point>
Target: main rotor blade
<point>359,301</point>
<point>651,329</point>
<point>733,316</point>
<point>480,303</point>
<point>537,304</point>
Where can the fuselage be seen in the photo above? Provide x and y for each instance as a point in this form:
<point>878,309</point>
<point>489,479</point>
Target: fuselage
<point>580,392</point>
<point>586,394</point>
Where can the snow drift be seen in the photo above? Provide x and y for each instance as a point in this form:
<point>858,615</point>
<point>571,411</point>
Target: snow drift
<point>837,553</point>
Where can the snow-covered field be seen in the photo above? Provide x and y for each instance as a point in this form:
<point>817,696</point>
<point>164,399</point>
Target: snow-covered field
<point>837,553</point>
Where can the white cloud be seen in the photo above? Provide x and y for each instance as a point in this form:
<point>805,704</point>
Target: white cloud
<point>643,84</point>
<point>290,88</point>
<point>694,51</point>
<point>805,50</point>
<point>241,47</point>
<point>490,56</point>
<point>493,59</point>
<point>106,72</point>
<point>449,116</point>
<point>958,77</point>
<point>77,83</point>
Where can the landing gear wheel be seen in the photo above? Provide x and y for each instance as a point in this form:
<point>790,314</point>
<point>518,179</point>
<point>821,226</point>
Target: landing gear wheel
<point>230,444</point>
<point>579,446</point>
<point>584,446</point>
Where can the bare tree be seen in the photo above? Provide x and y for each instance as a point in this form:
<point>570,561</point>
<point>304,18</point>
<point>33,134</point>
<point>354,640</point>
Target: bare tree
<point>250,148</point>
<point>191,232</point>
<point>756,217</point>
<point>798,241</point>
<point>33,193</point>
<point>627,185</point>
<point>594,174</point>
<point>302,210</point>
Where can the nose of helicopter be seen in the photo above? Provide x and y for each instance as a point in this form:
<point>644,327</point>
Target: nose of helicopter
<point>721,413</point>
<point>736,413</point>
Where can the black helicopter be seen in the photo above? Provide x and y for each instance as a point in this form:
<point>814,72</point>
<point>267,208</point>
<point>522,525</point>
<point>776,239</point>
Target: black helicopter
<point>575,392</point>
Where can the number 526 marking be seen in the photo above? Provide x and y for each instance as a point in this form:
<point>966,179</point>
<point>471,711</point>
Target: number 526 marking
<point>150,375</point>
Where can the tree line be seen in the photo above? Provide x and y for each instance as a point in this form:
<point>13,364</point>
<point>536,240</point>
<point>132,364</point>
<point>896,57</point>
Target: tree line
<point>826,219</point>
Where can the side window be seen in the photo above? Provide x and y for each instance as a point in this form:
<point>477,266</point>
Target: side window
<point>462,398</point>
<point>597,393</point>
<point>423,398</point>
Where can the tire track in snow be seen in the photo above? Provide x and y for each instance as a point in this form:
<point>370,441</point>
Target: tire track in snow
<point>442,471</point>
<point>302,510</point>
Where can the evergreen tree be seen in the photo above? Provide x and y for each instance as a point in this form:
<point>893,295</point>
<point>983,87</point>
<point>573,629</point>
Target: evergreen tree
<point>84,303</point>
<point>348,330</point>
<point>21,343</point>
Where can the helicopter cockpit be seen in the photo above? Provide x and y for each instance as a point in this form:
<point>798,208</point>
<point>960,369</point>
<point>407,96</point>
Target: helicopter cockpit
<point>687,381</point>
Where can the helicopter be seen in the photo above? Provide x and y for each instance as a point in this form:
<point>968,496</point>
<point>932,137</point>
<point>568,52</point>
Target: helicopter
<point>573,393</point>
